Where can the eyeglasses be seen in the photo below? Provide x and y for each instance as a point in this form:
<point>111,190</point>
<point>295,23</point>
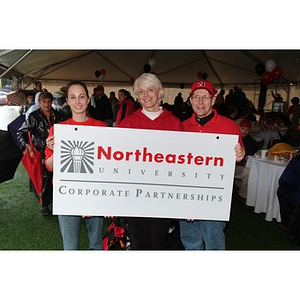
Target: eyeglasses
<point>203,98</point>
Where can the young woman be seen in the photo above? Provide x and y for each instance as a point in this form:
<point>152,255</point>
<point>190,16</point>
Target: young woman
<point>78,100</point>
<point>127,106</point>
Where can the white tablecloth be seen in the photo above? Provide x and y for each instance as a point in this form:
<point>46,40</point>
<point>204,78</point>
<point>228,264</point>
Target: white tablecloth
<point>263,185</point>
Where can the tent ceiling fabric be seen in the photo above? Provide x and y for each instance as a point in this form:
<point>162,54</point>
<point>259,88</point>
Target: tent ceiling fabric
<point>173,67</point>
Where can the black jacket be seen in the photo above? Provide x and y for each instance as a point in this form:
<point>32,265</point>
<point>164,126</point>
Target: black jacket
<point>38,125</point>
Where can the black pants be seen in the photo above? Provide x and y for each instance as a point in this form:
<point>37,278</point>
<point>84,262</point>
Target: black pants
<point>148,233</point>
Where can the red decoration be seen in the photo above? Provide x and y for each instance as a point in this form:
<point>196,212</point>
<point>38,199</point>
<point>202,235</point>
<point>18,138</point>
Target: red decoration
<point>131,80</point>
<point>276,73</point>
<point>199,74</point>
<point>266,77</point>
<point>103,71</point>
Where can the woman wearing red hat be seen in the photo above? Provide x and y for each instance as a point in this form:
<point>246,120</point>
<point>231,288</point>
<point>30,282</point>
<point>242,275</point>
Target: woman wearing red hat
<point>241,171</point>
<point>202,234</point>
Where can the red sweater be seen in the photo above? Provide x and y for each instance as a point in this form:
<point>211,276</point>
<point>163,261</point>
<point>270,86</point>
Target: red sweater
<point>218,124</point>
<point>89,122</point>
<point>165,121</point>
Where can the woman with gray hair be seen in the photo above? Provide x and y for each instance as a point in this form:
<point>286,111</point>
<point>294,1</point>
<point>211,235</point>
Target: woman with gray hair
<point>149,233</point>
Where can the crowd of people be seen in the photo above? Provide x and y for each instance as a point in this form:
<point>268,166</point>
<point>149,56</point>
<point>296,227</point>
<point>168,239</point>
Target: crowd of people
<point>205,111</point>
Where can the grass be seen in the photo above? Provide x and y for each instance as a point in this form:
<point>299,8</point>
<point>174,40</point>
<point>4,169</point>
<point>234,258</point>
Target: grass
<point>22,226</point>
<point>250,231</point>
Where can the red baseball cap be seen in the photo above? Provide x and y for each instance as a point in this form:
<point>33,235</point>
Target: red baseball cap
<point>203,84</point>
<point>245,123</point>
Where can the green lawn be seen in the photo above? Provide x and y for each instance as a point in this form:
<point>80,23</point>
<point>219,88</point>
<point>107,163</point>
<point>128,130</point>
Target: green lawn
<point>22,226</point>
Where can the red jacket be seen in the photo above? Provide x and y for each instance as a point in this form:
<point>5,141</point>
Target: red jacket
<point>218,124</point>
<point>165,121</point>
<point>126,109</point>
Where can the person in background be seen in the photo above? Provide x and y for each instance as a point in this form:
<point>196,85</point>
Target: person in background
<point>37,87</point>
<point>92,104</point>
<point>295,104</point>
<point>178,106</point>
<point>289,191</point>
<point>39,123</point>
<point>114,104</point>
<point>78,100</point>
<point>127,106</point>
<point>149,233</point>
<point>103,110</point>
<point>294,132</point>
<point>232,112</point>
<point>238,98</point>
<point>34,106</point>
<point>29,102</point>
<point>220,100</point>
<point>203,234</point>
<point>241,171</point>
<point>277,96</point>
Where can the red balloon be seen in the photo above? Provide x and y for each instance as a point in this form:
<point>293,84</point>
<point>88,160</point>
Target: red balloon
<point>276,73</point>
<point>266,77</point>
<point>199,74</point>
<point>131,80</point>
<point>103,71</point>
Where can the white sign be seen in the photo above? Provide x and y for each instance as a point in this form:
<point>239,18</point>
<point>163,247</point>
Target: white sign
<point>110,171</point>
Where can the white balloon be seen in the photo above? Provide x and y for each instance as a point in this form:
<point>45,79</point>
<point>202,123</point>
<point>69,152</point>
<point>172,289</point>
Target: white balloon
<point>151,63</point>
<point>270,65</point>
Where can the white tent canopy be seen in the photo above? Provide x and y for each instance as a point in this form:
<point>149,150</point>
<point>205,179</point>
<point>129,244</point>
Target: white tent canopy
<point>176,69</point>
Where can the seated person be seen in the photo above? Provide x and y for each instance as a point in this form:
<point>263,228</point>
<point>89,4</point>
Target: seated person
<point>241,171</point>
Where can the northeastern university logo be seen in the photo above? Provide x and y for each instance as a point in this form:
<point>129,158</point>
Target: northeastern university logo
<point>77,157</point>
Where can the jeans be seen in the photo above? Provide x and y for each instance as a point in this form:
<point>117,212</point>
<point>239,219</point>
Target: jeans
<point>200,235</point>
<point>70,228</point>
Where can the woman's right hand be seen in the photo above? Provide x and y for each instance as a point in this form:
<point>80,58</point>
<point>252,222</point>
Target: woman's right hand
<point>50,142</point>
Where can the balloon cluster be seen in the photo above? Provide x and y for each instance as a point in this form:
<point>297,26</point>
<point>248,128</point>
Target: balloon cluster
<point>100,74</point>
<point>202,75</point>
<point>149,66</point>
<point>268,71</point>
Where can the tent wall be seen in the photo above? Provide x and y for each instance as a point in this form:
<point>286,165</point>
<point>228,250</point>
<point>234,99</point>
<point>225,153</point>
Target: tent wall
<point>252,92</point>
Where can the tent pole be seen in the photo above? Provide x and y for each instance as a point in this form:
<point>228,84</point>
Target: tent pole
<point>212,67</point>
<point>19,60</point>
